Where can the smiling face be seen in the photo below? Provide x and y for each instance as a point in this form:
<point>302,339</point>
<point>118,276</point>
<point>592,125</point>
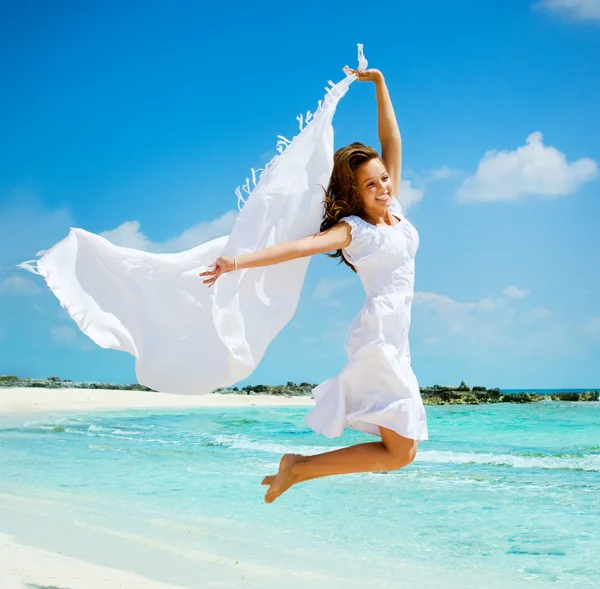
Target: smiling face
<point>375,187</point>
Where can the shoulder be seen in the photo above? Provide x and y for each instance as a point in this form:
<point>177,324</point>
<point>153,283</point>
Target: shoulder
<point>358,229</point>
<point>352,220</point>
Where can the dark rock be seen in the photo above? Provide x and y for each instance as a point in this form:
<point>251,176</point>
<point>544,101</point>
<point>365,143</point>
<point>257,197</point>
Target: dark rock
<point>434,395</point>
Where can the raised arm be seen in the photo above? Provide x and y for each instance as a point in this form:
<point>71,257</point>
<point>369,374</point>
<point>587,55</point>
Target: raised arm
<point>387,126</point>
<point>334,238</point>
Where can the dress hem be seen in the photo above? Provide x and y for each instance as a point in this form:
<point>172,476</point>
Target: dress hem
<point>361,422</point>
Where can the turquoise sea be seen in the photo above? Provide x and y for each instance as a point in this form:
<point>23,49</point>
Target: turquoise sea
<point>501,496</point>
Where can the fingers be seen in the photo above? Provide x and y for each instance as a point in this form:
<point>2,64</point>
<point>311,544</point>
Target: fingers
<point>361,76</point>
<point>213,274</point>
<point>211,269</point>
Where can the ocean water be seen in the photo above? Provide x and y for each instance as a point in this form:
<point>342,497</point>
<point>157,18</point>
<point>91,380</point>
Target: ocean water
<point>501,496</point>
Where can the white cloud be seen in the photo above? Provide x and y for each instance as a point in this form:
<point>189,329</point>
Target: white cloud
<point>573,9</point>
<point>63,334</point>
<point>202,232</point>
<point>129,234</point>
<point>442,173</point>
<point>70,337</point>
<point>538,313</point>
<point>532,169</point>
<point>17,285</point>
<point>495,331</point>
<point>493,325</point>
<point>409,195</point>
<point>592,327</point>
<point>461,327</point>
<point>516,293</point>
<point>447,305</point>
<point>326,286</point>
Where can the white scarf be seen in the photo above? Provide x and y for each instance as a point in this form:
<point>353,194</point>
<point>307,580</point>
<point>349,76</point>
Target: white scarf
<point>187,338</point>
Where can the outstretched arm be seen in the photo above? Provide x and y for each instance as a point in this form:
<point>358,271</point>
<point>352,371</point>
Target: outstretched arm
<point>334,238</point>
<point>387,126</point>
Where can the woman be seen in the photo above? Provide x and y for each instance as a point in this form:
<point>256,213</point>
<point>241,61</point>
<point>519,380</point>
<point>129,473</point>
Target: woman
<point>376,392</point>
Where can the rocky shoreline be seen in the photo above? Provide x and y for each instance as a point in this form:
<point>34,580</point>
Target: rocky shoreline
<point>434,395</point>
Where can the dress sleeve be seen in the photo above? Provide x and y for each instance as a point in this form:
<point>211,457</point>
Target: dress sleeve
<point>359,245</point>
<point>354,226</point>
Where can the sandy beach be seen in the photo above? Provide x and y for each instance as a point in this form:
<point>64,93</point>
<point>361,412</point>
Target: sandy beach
<point>23,400</point>
<point>60,571</point>
<point>54,569</point>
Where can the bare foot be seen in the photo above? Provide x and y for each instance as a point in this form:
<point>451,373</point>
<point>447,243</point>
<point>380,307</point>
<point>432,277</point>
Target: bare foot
<point>283,480</point>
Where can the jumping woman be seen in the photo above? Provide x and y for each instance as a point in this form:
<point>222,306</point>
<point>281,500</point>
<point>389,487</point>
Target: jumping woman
<point>376,391</point>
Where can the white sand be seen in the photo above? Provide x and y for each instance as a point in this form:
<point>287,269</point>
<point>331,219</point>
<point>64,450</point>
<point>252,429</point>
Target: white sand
<point>23,400</point>
<point>23,566</point>
<point>26,567</point>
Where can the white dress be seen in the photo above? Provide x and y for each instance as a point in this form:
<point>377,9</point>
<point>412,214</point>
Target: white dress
<point>377,386</point>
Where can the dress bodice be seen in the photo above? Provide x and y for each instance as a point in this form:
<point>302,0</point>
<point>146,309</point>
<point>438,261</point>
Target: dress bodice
<point>384,255</point>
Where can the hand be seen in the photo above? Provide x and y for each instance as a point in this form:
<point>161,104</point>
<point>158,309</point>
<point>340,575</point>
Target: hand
<point>217,268</point>
<point>371,75</point>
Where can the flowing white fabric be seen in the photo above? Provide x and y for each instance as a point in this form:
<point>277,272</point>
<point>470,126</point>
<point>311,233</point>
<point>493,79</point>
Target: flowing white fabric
<point>187,338</point>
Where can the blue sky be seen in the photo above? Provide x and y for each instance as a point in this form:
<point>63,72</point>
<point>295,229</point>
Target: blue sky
<point>142,118</point>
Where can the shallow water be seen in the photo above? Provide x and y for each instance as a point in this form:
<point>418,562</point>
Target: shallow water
<point>505,494</point>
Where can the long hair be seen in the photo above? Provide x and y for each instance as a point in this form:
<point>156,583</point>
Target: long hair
<point>342,197</point>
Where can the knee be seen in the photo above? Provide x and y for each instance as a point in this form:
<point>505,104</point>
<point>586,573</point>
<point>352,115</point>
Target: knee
<point>400,459</point>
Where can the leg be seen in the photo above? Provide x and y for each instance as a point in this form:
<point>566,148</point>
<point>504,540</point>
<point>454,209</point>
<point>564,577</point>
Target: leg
<point>393,452</point>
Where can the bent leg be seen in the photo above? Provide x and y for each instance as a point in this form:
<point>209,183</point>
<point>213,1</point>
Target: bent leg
<point>393,452</point>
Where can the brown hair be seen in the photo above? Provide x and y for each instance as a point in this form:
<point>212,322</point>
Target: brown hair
<point>342,197</point>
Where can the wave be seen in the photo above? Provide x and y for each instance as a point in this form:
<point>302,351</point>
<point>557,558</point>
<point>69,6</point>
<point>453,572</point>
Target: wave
<point>95,431</point>
<point>567,461</point>
<point>587,462</point>
<point>240,442</point>
<point>590,462</point>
